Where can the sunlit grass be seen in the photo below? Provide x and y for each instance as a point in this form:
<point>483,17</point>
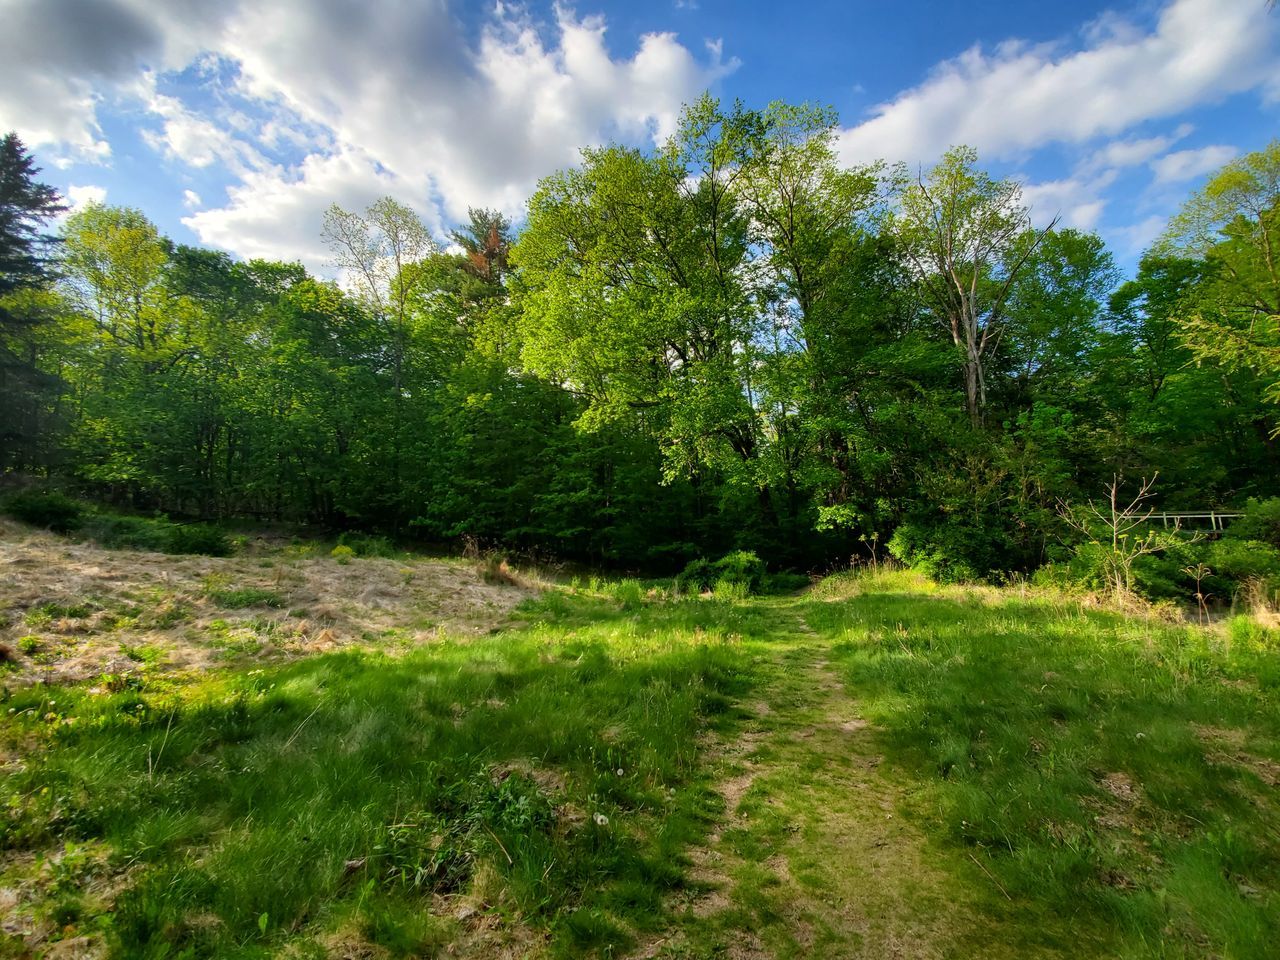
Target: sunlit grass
<point>1106,768</point>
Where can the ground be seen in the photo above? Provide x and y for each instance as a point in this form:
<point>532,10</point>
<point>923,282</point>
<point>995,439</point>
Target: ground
<point>874,767</point>
<point>82,612</point>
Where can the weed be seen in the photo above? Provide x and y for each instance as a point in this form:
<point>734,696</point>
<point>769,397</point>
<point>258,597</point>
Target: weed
<point>240,598</point>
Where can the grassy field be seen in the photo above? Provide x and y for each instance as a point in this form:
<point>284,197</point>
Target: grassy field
<point>876,767</point>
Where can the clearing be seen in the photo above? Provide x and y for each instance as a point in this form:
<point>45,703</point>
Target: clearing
<point>878,767</point>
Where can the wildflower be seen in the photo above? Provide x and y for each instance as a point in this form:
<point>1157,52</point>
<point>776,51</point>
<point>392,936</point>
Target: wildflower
<point>601,820</point>
<point>619,771</point>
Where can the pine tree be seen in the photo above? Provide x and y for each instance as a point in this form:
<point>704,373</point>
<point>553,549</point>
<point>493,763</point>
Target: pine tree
<point>25,204</point>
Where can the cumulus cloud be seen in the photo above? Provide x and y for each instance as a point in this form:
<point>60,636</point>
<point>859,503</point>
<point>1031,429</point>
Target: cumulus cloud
<point>364,97</point>
<point>191,200</point>
<point>1189,164</point>
<point>1020,96</point>
<point>83,196</point>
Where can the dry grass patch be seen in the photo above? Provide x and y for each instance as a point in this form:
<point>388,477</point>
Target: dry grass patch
<point>72,611</point>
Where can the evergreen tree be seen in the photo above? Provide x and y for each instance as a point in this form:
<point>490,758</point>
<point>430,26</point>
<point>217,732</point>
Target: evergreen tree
<point>26,428</point>
<point>25,205</point>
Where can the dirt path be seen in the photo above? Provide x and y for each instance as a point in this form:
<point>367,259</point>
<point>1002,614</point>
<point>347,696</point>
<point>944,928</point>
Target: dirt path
<point>812,857</point>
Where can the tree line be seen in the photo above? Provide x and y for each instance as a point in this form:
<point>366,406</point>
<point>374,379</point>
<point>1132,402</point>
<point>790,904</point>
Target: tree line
<point>733,341</point>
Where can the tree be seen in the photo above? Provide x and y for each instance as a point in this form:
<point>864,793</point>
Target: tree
<point>25,206</point>
<point>26,391</point>
<point>958,228</point>
<point>1233,225</point>
<point>485,242</point>
<point>379,251</point>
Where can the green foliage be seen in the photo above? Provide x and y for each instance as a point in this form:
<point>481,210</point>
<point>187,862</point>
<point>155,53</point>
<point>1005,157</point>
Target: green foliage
<point>365,545</point>
<point>1240,560</point>
<point>342,553</point>
<point>739,569</point>
<point>730,341</point>
<point>50,509</point>
<point>1261,522</point>
<point>197,538</point>
<point>122,532</point>
<point>947,551</point>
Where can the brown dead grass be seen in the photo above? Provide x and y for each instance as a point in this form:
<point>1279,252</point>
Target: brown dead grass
<point>1226,747</point>
<point>154,609</point>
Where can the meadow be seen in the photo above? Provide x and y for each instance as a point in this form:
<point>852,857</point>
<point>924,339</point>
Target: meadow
<point>872,766</point>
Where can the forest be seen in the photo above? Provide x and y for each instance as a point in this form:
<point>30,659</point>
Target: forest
<point>731,343</point>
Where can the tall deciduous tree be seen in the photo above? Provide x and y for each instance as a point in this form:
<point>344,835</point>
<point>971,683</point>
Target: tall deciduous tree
<point>958,227</point>
<point>379,251</point>
<point>1233,225</point>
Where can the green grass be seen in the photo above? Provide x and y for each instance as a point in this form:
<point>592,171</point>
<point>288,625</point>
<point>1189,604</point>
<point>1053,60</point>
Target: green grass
<point>240,598</point>
<point>1112,770</point>
<point>1056,780</point>
<point>554,773</point>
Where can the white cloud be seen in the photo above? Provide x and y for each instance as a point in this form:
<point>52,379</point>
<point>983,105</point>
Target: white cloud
<point>1189,164</point>
<point>191,200</point>
<point>1019,97</point>
<point>1132,153</point>
<point>83,196</point>
<point>277,215</point>
<point>1132,240</point>
<point>369,96</point>
<point>1077,200</point>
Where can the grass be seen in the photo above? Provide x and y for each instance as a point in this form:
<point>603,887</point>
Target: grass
<point>878,764</point>
<point>552,776</point>
<point>1108,769</point>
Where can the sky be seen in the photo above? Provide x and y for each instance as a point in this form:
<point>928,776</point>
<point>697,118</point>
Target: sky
<point>236,123</point>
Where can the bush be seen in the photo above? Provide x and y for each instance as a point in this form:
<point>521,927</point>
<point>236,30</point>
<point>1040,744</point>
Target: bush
<point>947,552</point>
<point>342,553</point>
<point>48,509</point>
<point>162,536</point>
<point>1261,523</point>
<point>741,567</point>
<point>630,592</point>
<point>197,538</point>
<point>363,545</point>
<point>697,576</point>
<point>126,533</point>
<point>1241,560</point>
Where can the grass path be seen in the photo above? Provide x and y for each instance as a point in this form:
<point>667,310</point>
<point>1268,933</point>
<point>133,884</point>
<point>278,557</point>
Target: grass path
<point>812,856</point>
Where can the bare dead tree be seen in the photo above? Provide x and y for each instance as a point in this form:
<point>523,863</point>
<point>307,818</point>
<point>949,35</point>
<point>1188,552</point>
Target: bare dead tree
<point>1116,526</point>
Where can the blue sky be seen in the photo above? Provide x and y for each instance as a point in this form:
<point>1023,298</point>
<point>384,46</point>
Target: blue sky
<point>236,123</point>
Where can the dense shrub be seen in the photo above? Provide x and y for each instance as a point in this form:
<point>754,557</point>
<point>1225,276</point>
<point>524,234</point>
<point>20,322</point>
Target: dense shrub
<point>125,533</point>
<point>162,536</point>
<point>742,568</point>
<point>197,538</point>
<point>364,545</point>
<point>49,509</point>
<point>1261,522</point>
<point>1240,560</point>
<point>947,552</point>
